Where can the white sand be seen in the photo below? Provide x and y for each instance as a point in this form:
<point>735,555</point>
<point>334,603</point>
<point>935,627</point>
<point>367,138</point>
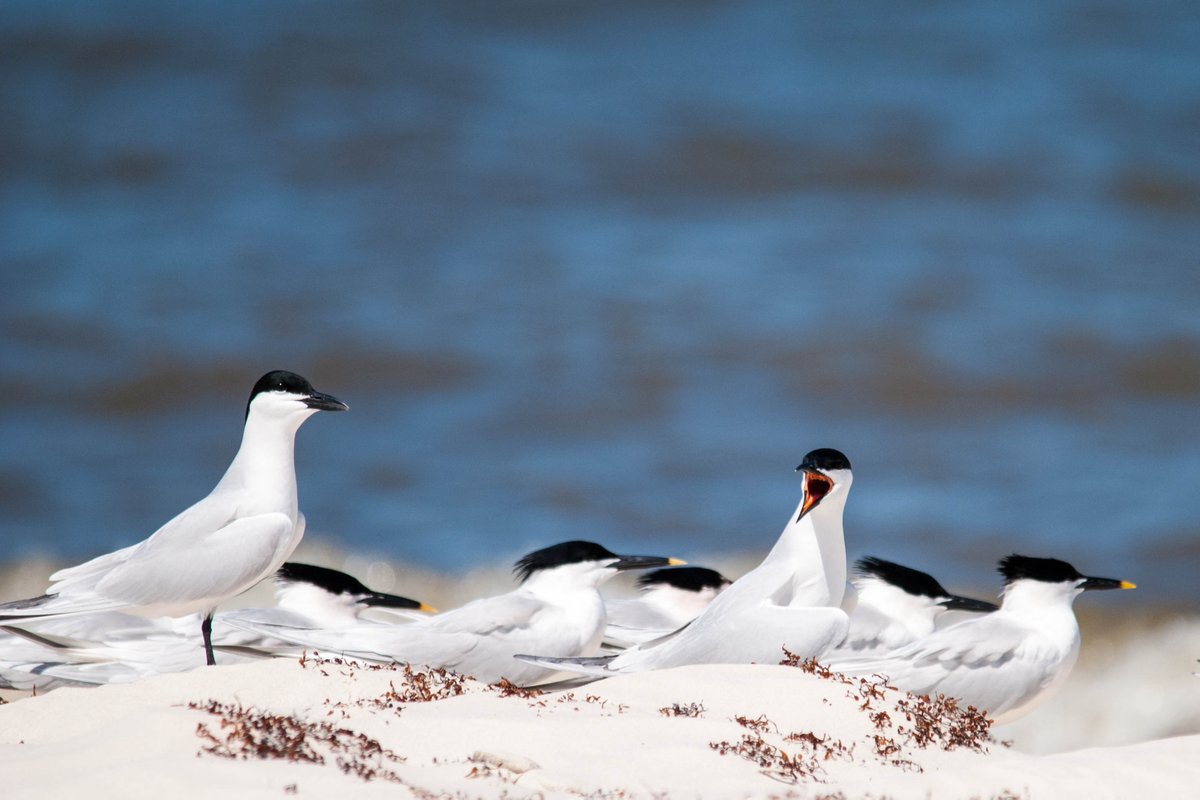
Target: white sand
<point>606,739</point>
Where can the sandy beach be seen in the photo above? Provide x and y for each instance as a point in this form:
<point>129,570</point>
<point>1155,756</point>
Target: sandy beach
<point>335,728</point>
<point>1127,723</point>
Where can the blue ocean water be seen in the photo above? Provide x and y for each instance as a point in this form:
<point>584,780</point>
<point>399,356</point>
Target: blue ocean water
<point>607,271</point>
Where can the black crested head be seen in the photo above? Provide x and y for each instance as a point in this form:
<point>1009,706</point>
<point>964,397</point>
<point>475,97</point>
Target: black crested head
<point>330,580</point>
<point>556,555</point>
<point>1048,570</point>
<point>690,579</point>
<point>825,459</point>
<point>280,380</point>
<point>342,585</point>
<point>905,578</point>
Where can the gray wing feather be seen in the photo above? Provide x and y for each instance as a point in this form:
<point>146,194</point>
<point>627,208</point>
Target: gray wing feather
<point>223,563</point>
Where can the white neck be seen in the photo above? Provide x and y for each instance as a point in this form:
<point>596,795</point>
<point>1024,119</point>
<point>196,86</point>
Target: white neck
<point>568,580</point>
<point>264,467</point>
<point>573,590</point>
<point>814,547</point>
<point>1045,607</point>
<point>1034,599</point>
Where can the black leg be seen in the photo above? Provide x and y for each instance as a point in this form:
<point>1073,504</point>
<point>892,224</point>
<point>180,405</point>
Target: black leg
<point>206,632</point>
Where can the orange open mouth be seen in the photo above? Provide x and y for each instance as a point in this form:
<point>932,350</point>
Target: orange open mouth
<point>816,486</point>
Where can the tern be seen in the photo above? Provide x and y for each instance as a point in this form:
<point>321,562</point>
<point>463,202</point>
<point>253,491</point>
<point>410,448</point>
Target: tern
<point>791,600</point>
<point>670,598</point>
<point>896,606</point>
<point>328,597</point>
<point>557,609</point>
<point>233,538</point>
<point>1006,662</point>
<point>113,647</point>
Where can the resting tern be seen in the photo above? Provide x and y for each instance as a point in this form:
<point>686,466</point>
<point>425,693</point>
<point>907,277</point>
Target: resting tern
<point>670,598</point>
<point>791,600</point>
<point>111,647</point>
<point>233,538</point>
<point>1006,662</point>
<point>328,597</point>
<point>557,609</point>
<point>896,605</point>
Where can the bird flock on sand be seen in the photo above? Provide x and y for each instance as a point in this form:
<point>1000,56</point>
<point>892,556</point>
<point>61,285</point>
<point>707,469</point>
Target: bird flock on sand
<point>136,612</point>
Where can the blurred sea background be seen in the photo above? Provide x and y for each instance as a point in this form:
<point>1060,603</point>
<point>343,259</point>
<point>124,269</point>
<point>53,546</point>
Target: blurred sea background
<point>607,270</point>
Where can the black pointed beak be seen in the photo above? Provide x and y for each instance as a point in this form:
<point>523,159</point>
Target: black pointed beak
<point>325,402</point>
<point>384,600</point>
<point>645,562</point>
<point>957,603</point>
<point>1093,584</point>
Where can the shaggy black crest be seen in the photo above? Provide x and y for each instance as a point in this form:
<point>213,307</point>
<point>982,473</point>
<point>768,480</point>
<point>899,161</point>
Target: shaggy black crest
<point>557,555</point>
<point>909,580</point>
<point>825,459</point>
<point>691,579</point>
<point>330,580</point>
<point>339,583</point>
<point>1050,570</point>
